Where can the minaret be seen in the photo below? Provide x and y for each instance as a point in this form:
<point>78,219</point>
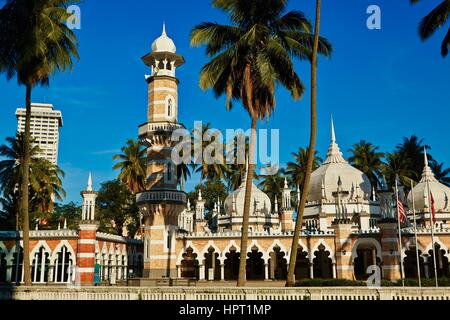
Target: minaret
<point>162,202</point>
<point>287,212</point>
<point>87,236</point>
<point>200,221</point>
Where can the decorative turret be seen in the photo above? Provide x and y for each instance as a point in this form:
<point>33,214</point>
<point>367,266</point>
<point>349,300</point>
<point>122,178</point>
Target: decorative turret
<point>89,197</point>
<point>286,195</point>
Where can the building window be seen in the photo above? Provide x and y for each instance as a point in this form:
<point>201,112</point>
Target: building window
<point>169,108</point>
<point>169,172</point>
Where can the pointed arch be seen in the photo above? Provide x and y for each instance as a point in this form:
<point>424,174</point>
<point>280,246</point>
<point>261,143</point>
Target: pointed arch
<point>61,244</point>
<point>369,241</point>
<point>271,248</point>
<point>210,244</point>
<point>189,244</point>
<point>322,242</point>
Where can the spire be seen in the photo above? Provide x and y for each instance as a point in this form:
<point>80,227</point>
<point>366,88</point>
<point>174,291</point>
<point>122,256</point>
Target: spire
<point>333,134</point>
<point>200,195</point>
<point>298,193</point>
<point>286,186</point>
<point>427,175</point>
<point>276,203</point>
<point>164,29</point>
<point>65,224</point>
<point>89,185</point>
<point>334,153</point>
<point>189,205</point>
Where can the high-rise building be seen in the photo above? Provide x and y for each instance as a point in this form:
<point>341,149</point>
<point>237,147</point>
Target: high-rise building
<point>45,124</point>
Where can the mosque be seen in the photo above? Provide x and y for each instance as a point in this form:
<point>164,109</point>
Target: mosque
<point>349,225</point>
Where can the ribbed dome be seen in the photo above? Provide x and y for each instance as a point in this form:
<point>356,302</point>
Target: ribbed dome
<point>164,43</point>
<point>259,201</point>
<point>335,170</point>
<point>441,193</point>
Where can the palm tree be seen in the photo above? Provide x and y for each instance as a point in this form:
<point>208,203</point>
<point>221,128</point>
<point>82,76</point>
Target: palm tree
<point>436,19</point>
<point>297,169</point>
<point>397,165</point>
<point>10,172</point>
<point>211,171</point>
<point>412,151</point>
<point>132,165</point>
<point>248,59</point>
<point>311,150</point>
<point>183,173</point>
<point>36,43</point>
<point>235,173</point>
<point>272,183</point>
<point>46,185</point>
<point>440,173</point>
<point>367,158</point>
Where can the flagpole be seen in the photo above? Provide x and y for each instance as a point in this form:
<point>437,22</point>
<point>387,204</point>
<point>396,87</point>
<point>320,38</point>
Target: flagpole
<point>430,206</point>
<point>415,234</point>
<point>402,271</point>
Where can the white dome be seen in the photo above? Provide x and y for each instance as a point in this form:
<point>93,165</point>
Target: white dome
<point>335,170</point>
<point>164,43</point>
<point>260,202</point>
<point>440,192</point>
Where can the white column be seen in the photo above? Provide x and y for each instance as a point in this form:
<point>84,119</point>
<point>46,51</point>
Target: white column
<point>266,271</point>
<point>311,270</point>
<point>42,265</point>
<point>56,269</point>
<point>64,250</point>
<point>334,271</point>
<point>201,272</point>
<point>179,272</point>
<point>9,272</point>
<point>222,272</point>
<point>35,267</point>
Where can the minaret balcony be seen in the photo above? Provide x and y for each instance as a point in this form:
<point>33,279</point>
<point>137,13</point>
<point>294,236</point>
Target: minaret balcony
<point>158,127</point>
<point>158,196</point>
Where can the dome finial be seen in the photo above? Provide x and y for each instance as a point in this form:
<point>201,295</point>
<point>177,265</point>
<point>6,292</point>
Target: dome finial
<point>426,156</point>
<point>164,29</point>
<point>89,185</point>
<point>333,133</point>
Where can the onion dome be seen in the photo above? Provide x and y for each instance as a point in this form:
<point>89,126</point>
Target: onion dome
<point>337,172</point>
<point>440,192</point>
<point>164,43</point>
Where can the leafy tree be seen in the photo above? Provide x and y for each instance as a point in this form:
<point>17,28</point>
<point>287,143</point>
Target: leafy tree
<point>436,19</point>
<point>297,169</point>
<point>70,213</point>
<point>132,165</point>
<point>367,158</point>
<point>8,213</point>
<point>117,208</point>
<point>212,191</point>
<point>249,58</point>
<point>35,44</point>
<point>397,165</point>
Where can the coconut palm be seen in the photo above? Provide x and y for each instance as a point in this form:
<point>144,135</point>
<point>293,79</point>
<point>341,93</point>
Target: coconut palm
<point>440,173</point>
<point>398,165</point>
<point>236,171</point>
<point>183,173</point>
<point>436,19</point>
<point>248,59</point>
<point>412,151</point>
<point>297,169</point>
<point>211,171</point>
<point>46,185</point>
<point>311,150</point>
<point>45,179</point>
<point>132,165</point>
<point>35,43</point>
<point>367,158</point>
<point>272,182</point>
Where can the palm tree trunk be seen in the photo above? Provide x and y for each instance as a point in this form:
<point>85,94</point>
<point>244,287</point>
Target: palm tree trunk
<point>311,152</point>
<point>248,194</point>
<point>24,201</point>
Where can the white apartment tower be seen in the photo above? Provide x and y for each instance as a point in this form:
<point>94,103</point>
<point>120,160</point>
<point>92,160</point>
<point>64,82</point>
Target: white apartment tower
<point>45,124</point>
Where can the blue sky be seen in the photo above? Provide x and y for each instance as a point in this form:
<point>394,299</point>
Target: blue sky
<point>380,85</point>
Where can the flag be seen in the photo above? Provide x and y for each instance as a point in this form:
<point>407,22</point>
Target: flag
<point>401,211</point>
<point>433,208</point>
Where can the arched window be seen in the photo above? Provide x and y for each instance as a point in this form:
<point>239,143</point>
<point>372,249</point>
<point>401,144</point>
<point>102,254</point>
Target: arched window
<point>41,264</point>
<point>169,107</point>
<point>17,265</point>
<point>169,172</point>
<point>3,266</point>
<point>63,263</point>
